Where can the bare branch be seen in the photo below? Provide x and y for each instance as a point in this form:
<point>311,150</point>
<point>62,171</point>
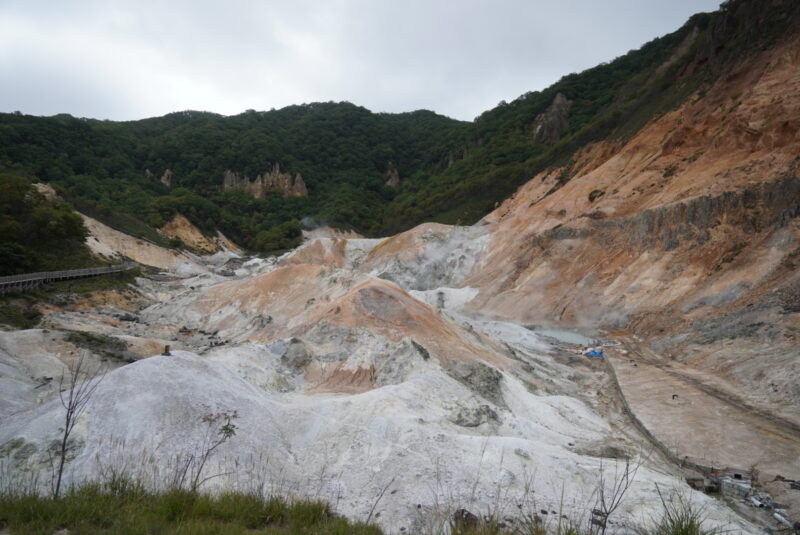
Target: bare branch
<point>378,499</point>
<point>76,388</point>
<point>610,494</point>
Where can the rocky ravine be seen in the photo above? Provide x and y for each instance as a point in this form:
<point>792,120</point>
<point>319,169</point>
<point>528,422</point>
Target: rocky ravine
<point>356,373</point>
<point>397,378</point>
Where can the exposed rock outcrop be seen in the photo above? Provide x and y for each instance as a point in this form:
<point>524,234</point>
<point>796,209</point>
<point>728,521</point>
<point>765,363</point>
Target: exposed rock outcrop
<point>46,190</point>
<point>113,244</point>
<point>453,157</point>
<point>296,355</point>
<point>271,180</point>
<point>166,176</point>
<point>392,176</point>
<point>478,377</point>
<point>765,205</point>
<point>550,125</point>
<point>181,228</point>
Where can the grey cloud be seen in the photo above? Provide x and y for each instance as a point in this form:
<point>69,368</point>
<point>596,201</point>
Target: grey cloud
<point>125,60</point>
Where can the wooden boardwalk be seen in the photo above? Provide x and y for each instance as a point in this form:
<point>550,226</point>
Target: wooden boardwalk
<point>29,281</point>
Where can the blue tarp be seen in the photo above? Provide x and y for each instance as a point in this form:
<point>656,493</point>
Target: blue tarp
<point>595,353</point>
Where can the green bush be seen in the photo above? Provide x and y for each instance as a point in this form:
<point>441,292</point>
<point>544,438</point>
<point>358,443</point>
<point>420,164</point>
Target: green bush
<point>596,194</point>
<point>19,313</point>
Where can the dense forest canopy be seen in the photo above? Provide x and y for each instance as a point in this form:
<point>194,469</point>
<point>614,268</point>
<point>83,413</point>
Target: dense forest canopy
<point>448,170</point>
<point>37,234</point>
<point>342,151</point>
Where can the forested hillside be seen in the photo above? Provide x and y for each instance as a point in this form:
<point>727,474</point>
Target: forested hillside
<point>139,174</point>
<point>342,151</point>
<point>36,233</point>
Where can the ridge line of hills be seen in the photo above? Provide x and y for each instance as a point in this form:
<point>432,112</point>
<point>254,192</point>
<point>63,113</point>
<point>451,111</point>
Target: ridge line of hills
<point>376,173</point>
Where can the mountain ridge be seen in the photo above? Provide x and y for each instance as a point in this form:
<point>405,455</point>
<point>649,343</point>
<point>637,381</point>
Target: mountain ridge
<point>448,170</point>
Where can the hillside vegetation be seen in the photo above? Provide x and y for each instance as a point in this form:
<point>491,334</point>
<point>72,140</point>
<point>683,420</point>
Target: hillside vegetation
<point>36,233</point>
<point>124,508</point>
<point>450,171</point>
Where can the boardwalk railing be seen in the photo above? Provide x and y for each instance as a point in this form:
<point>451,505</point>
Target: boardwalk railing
<point>27,281</point>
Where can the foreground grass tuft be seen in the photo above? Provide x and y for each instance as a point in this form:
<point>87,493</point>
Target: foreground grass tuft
<point>18,313</point>
<point>680,517</point>
<point>124,507</point>
<point>127,509</point>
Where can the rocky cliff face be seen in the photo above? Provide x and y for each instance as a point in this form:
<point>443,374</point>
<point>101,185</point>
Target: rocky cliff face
<point>166,177</point>
<point>687,233</point>
<point>271,180</point>
<point>181,228</point>
<point>392,176</point>
<point>549,125</point>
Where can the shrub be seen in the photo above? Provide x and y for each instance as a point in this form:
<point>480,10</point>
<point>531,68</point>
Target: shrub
<point>596,194</point>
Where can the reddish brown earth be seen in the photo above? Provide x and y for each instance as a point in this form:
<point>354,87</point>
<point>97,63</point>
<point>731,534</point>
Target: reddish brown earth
<point>740,139</point>
<point>181,228</point>
<point>692,236</point>
<point>688,236</point>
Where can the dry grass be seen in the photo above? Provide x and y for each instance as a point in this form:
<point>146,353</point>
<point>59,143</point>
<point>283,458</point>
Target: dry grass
<point>122,507</point>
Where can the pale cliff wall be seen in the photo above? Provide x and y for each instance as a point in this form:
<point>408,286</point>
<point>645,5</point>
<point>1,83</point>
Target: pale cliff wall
<point>273,179</point>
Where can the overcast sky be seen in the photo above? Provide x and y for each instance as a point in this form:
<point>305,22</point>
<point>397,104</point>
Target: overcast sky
<point>124,60</point>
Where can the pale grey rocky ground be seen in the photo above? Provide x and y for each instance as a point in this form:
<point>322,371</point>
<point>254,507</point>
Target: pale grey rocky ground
<point>432,436</point>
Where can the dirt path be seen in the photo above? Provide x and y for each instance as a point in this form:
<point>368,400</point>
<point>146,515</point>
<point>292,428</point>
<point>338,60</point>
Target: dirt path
<point>698,417</point>
<point>703,420</point>
<point>708,383</point>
